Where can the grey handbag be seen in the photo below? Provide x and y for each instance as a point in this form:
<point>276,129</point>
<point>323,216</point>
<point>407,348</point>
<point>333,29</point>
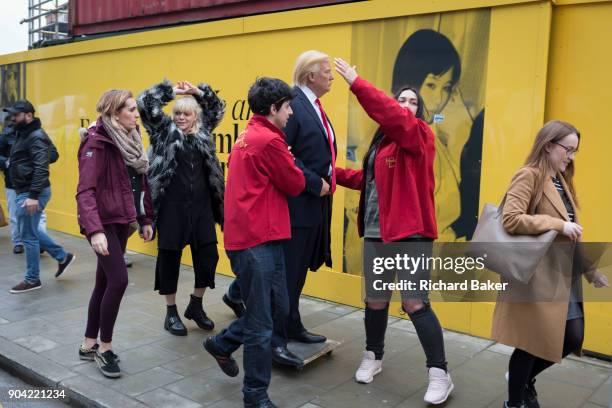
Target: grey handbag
<point>514,257</point>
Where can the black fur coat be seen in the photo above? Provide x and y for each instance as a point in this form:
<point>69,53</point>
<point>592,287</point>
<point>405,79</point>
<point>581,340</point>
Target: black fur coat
<point>166,139</point>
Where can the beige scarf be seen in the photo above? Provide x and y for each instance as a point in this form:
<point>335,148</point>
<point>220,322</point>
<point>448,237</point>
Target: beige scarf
<point>129,144</point>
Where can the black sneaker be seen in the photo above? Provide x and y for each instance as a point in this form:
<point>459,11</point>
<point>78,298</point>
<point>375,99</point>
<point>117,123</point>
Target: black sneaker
<point>237,308</point>
<point>88,353</point>
<point>18,249</point>
<point>25,286</point>
<point>510,406</point>
<point>226,361</point>
<point>531,396</point>
<point>107,363</point>
<point>61,266</point>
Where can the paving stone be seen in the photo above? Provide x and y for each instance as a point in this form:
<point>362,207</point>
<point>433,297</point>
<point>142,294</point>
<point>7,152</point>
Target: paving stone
<point>65,317</point>
<point>325,372</point>
<point>32,365</point>
<point>560,394</point>
<point>66,355</point>
<point>233,401</point>
<point>161,398</point>
<point>193,364</point>
<point>464,345</point>
<point>353,395</point>
<point>207,387</point>
<point>36,343</point>
<point>343,329</point>
<point>185,346</point>
<point>603,395</point>
<point>90,369</point>
<point>494,364</point>
<point>576,373</point>
<point>589,405</point>
<point>24,328</point>
<point>135,336</point>
<point>144,358</point>
<point>501,349</point>
<point>146,381</point>
<point>288,393</point>
<point>312,320</point>
<point>68,334</point>
<point>90,392</point>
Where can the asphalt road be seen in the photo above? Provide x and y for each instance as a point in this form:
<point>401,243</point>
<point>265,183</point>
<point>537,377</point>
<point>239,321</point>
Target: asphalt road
<point>12,384</point>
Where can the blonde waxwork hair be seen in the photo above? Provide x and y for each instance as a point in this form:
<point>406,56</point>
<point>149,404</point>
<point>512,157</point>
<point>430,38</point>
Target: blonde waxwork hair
<point>306,63</point>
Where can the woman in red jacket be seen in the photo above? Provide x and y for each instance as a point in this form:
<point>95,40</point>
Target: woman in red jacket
<point>112,194</point>
<point>397,205</point>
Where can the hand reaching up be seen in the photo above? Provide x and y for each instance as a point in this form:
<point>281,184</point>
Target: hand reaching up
<point>345,70</point>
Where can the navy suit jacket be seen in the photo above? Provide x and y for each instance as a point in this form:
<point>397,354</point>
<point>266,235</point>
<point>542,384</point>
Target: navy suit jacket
<point>309,144</point>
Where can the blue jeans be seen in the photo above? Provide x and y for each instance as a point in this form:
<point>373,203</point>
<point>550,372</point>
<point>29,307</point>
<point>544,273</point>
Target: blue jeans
<point>34,238</point>
<point>11,200</point>
<point>261,271</point>
<point>235,295</point>
<point>233,291</point>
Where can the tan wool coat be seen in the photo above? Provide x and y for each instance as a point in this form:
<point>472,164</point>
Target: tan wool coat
<point>537,326</point>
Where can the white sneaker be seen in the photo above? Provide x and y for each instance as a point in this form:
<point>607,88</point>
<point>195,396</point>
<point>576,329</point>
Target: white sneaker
<point>368,368</point>
<point>440,386</point>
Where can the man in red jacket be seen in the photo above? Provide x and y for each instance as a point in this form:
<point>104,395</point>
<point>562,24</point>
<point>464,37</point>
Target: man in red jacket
<point>262,173</point>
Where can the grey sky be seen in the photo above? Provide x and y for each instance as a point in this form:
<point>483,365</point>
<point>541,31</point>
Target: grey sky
<point>13,36</point>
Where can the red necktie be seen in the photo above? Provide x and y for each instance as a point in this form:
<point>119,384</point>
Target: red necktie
<point>331,145</point>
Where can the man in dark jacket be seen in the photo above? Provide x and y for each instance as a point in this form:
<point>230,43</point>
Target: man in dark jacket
<point>310,134</point>
<point>7,140</point>
<point>28,170</point>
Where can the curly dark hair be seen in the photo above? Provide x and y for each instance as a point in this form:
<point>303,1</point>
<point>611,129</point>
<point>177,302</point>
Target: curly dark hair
<point>266,92</point>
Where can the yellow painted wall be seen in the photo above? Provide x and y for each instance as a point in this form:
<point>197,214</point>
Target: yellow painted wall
<point>525,85</point>
<point>578,91</point>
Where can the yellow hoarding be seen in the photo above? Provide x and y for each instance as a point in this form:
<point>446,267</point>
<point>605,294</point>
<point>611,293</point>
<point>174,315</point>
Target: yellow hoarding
<point>520,62</point>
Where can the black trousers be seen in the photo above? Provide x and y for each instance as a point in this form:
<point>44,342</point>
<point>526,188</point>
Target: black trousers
<point>205,259</point>
<point>298,253</point>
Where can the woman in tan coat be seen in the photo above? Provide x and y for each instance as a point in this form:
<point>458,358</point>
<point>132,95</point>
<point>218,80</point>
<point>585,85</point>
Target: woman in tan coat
<point>550,325</point>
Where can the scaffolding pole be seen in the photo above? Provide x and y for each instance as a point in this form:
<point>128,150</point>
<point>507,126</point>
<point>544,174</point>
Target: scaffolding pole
<point>47,20</point>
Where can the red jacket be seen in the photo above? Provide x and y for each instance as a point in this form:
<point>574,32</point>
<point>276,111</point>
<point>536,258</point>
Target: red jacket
<point>403,168</point>
<point>104,193</point>
<point>261,174</point>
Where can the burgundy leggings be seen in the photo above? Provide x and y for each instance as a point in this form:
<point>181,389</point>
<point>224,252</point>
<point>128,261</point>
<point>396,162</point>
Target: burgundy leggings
<point>111,281</point>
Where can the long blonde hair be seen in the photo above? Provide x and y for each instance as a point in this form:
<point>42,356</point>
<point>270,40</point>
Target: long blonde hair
<point>552,132</point>
<point>189,104</point>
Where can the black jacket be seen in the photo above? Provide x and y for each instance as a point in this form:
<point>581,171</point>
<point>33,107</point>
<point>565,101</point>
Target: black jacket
<point>30,158</point>
<point>307,137</point>
<point>7,140</point>
<point>305,134</point>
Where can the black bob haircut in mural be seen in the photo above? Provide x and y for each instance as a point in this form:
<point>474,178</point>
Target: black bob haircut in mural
<point>425,52</point>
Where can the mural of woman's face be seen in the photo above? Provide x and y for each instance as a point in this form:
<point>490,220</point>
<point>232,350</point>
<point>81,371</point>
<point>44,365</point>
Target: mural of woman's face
<point>436,91</point>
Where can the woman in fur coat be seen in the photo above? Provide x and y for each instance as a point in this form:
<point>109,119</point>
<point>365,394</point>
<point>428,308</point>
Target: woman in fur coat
<point>187,188</point>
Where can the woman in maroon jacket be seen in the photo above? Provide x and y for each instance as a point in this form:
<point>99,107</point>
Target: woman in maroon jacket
<point>112,194</point>
<point>397,205</point>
